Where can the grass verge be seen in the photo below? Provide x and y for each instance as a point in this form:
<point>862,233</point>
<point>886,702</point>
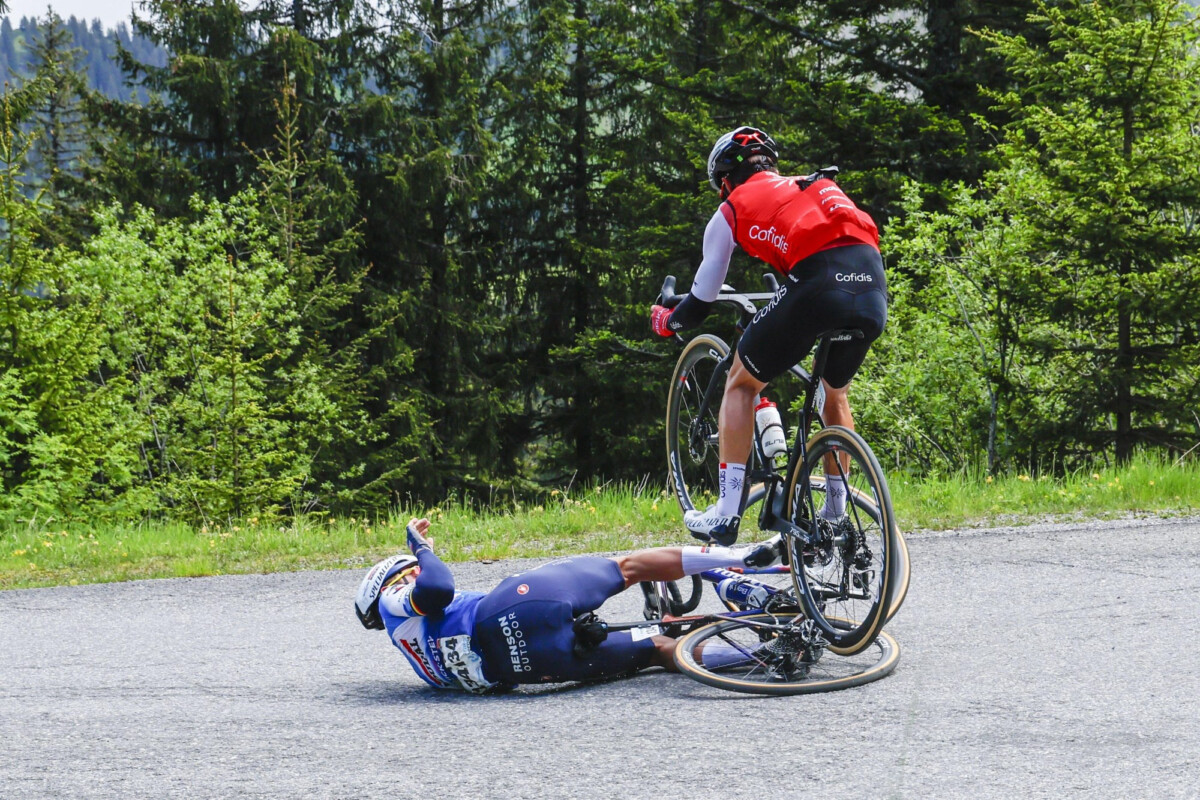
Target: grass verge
<point>599,519</point>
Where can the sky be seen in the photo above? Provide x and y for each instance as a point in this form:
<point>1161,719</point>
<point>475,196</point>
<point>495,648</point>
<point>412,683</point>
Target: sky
<point>109,12</point>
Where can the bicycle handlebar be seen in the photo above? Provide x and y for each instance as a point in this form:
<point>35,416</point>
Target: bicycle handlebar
<point>727,296</point>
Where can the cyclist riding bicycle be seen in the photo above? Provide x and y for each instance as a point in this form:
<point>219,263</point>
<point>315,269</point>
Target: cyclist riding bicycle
<point>828,251</point>
<point>523,630</point>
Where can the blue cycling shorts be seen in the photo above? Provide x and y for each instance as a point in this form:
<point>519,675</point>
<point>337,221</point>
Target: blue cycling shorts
<point>523,626</point>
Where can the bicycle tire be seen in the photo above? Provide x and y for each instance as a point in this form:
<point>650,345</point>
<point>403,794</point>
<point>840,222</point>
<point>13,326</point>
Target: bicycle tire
<point>901,579</point>
<point>754,676</point>
<point>849,575</point>
<point>903,573</point>
<point>693,460</point>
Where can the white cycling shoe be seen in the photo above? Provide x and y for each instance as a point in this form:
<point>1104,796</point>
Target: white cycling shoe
<point>709,526</point>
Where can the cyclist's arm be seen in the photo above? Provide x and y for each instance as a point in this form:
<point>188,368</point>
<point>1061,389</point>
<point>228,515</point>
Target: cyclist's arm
<point>434,587</point>
<point>430,593</point>
<point>710,275</point>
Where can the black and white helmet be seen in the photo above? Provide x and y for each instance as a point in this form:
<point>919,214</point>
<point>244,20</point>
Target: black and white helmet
<point>366,603</point>
<point>736,148</point>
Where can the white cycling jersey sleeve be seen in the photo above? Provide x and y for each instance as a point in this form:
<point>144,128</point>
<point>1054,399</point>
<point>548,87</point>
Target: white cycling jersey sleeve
<point>718,249</point>
<point>397,599</point>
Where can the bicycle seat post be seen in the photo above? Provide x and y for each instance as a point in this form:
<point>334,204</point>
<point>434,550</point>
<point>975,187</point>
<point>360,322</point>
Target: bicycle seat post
<point>822,354</point>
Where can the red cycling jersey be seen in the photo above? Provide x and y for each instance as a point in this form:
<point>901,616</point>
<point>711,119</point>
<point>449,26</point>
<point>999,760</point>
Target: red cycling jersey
<point>774,219</point>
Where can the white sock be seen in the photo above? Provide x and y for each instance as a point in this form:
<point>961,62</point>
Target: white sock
<point>697,559</point>
<point>733,477</point>
<point>835,498</point>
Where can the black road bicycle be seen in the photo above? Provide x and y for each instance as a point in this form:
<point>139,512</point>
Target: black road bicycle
<point>847,576</point>
<point>766,644</point>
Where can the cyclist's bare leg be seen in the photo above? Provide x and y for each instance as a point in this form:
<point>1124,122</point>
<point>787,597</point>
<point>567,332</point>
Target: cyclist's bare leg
<point>672,563</point>
<point>837,412</point>
<point>664,653</point>
<point>655,564</point>
<point>837,406</point>
<point>736,420</point>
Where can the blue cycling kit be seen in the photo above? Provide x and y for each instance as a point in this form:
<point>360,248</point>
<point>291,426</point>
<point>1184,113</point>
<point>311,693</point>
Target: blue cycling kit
<point>520,632</point>
<point>523,626</point>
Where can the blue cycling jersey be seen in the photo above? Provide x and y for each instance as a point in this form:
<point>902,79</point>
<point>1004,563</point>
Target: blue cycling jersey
<point>521,630</point>
<point>438,646</point>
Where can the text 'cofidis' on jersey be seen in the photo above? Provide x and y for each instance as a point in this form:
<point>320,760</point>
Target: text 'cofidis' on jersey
<point>770,236</point>
<point>782,220</point>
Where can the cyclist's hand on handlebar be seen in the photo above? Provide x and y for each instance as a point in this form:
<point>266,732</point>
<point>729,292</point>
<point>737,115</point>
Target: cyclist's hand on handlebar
<point>417,541</point>
<point>659,317</point>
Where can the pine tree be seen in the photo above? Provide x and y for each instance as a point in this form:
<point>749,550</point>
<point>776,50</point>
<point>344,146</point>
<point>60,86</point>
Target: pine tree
<point>308,204</point>
<point>61,128</point>
<point>1075,262</point>
<point>420,182</point>
<point>8,52</point>
<point>1104,118</point>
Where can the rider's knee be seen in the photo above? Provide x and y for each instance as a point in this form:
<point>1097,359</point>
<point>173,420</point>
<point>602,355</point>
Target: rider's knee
<point>836,393</point>
<point>740,380</point>
<point>629,568</point>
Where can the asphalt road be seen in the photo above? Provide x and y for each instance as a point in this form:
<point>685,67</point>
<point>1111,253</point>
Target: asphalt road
<point>1046,661</point>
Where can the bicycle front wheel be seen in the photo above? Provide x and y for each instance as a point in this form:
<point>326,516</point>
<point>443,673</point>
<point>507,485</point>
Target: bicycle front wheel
<point>692,437</point>
<point>845,577</point>
<point>757,655</point>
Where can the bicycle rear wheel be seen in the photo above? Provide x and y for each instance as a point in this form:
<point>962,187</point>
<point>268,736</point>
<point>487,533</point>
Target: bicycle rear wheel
<point>845,579</point>
<point>902,574</point>
<point>763,654</point>
<point>692,438</point>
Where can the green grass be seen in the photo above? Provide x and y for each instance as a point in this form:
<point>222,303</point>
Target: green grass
<point>603,519</point>
<point>1145,486</point>
<point>598,519</point>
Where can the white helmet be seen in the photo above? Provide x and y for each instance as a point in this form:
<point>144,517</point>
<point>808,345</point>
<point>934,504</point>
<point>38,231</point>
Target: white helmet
<point>366,604</point>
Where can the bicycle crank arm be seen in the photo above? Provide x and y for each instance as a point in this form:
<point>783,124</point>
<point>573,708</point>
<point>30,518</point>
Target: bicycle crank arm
<point>793,531</point>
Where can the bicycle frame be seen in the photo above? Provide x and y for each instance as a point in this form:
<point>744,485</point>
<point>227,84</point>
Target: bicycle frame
<point>771,516</point>
<point>594,629</point>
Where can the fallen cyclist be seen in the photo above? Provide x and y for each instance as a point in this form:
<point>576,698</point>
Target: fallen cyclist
<point>523,631</point>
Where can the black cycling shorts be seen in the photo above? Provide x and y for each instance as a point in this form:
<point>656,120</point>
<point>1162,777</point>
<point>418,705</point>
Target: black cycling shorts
<point>839,288</point>
<point>523,627</point>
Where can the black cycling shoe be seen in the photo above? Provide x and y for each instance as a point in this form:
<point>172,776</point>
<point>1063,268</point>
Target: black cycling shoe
<point>765,554</point>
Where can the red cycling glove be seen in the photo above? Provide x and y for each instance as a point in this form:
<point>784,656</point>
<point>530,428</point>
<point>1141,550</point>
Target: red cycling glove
<point>659,316</point>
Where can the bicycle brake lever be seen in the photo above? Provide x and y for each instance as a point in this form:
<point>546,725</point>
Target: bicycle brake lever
<point>666,296</point>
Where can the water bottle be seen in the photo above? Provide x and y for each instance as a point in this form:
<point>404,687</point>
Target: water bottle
<point>770,428</point>
<point>742,593</point>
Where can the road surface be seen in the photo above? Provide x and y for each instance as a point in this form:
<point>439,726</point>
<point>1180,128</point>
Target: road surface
<point>1047,661</point>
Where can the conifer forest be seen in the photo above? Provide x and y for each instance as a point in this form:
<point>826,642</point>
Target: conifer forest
<point>332,255</point>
